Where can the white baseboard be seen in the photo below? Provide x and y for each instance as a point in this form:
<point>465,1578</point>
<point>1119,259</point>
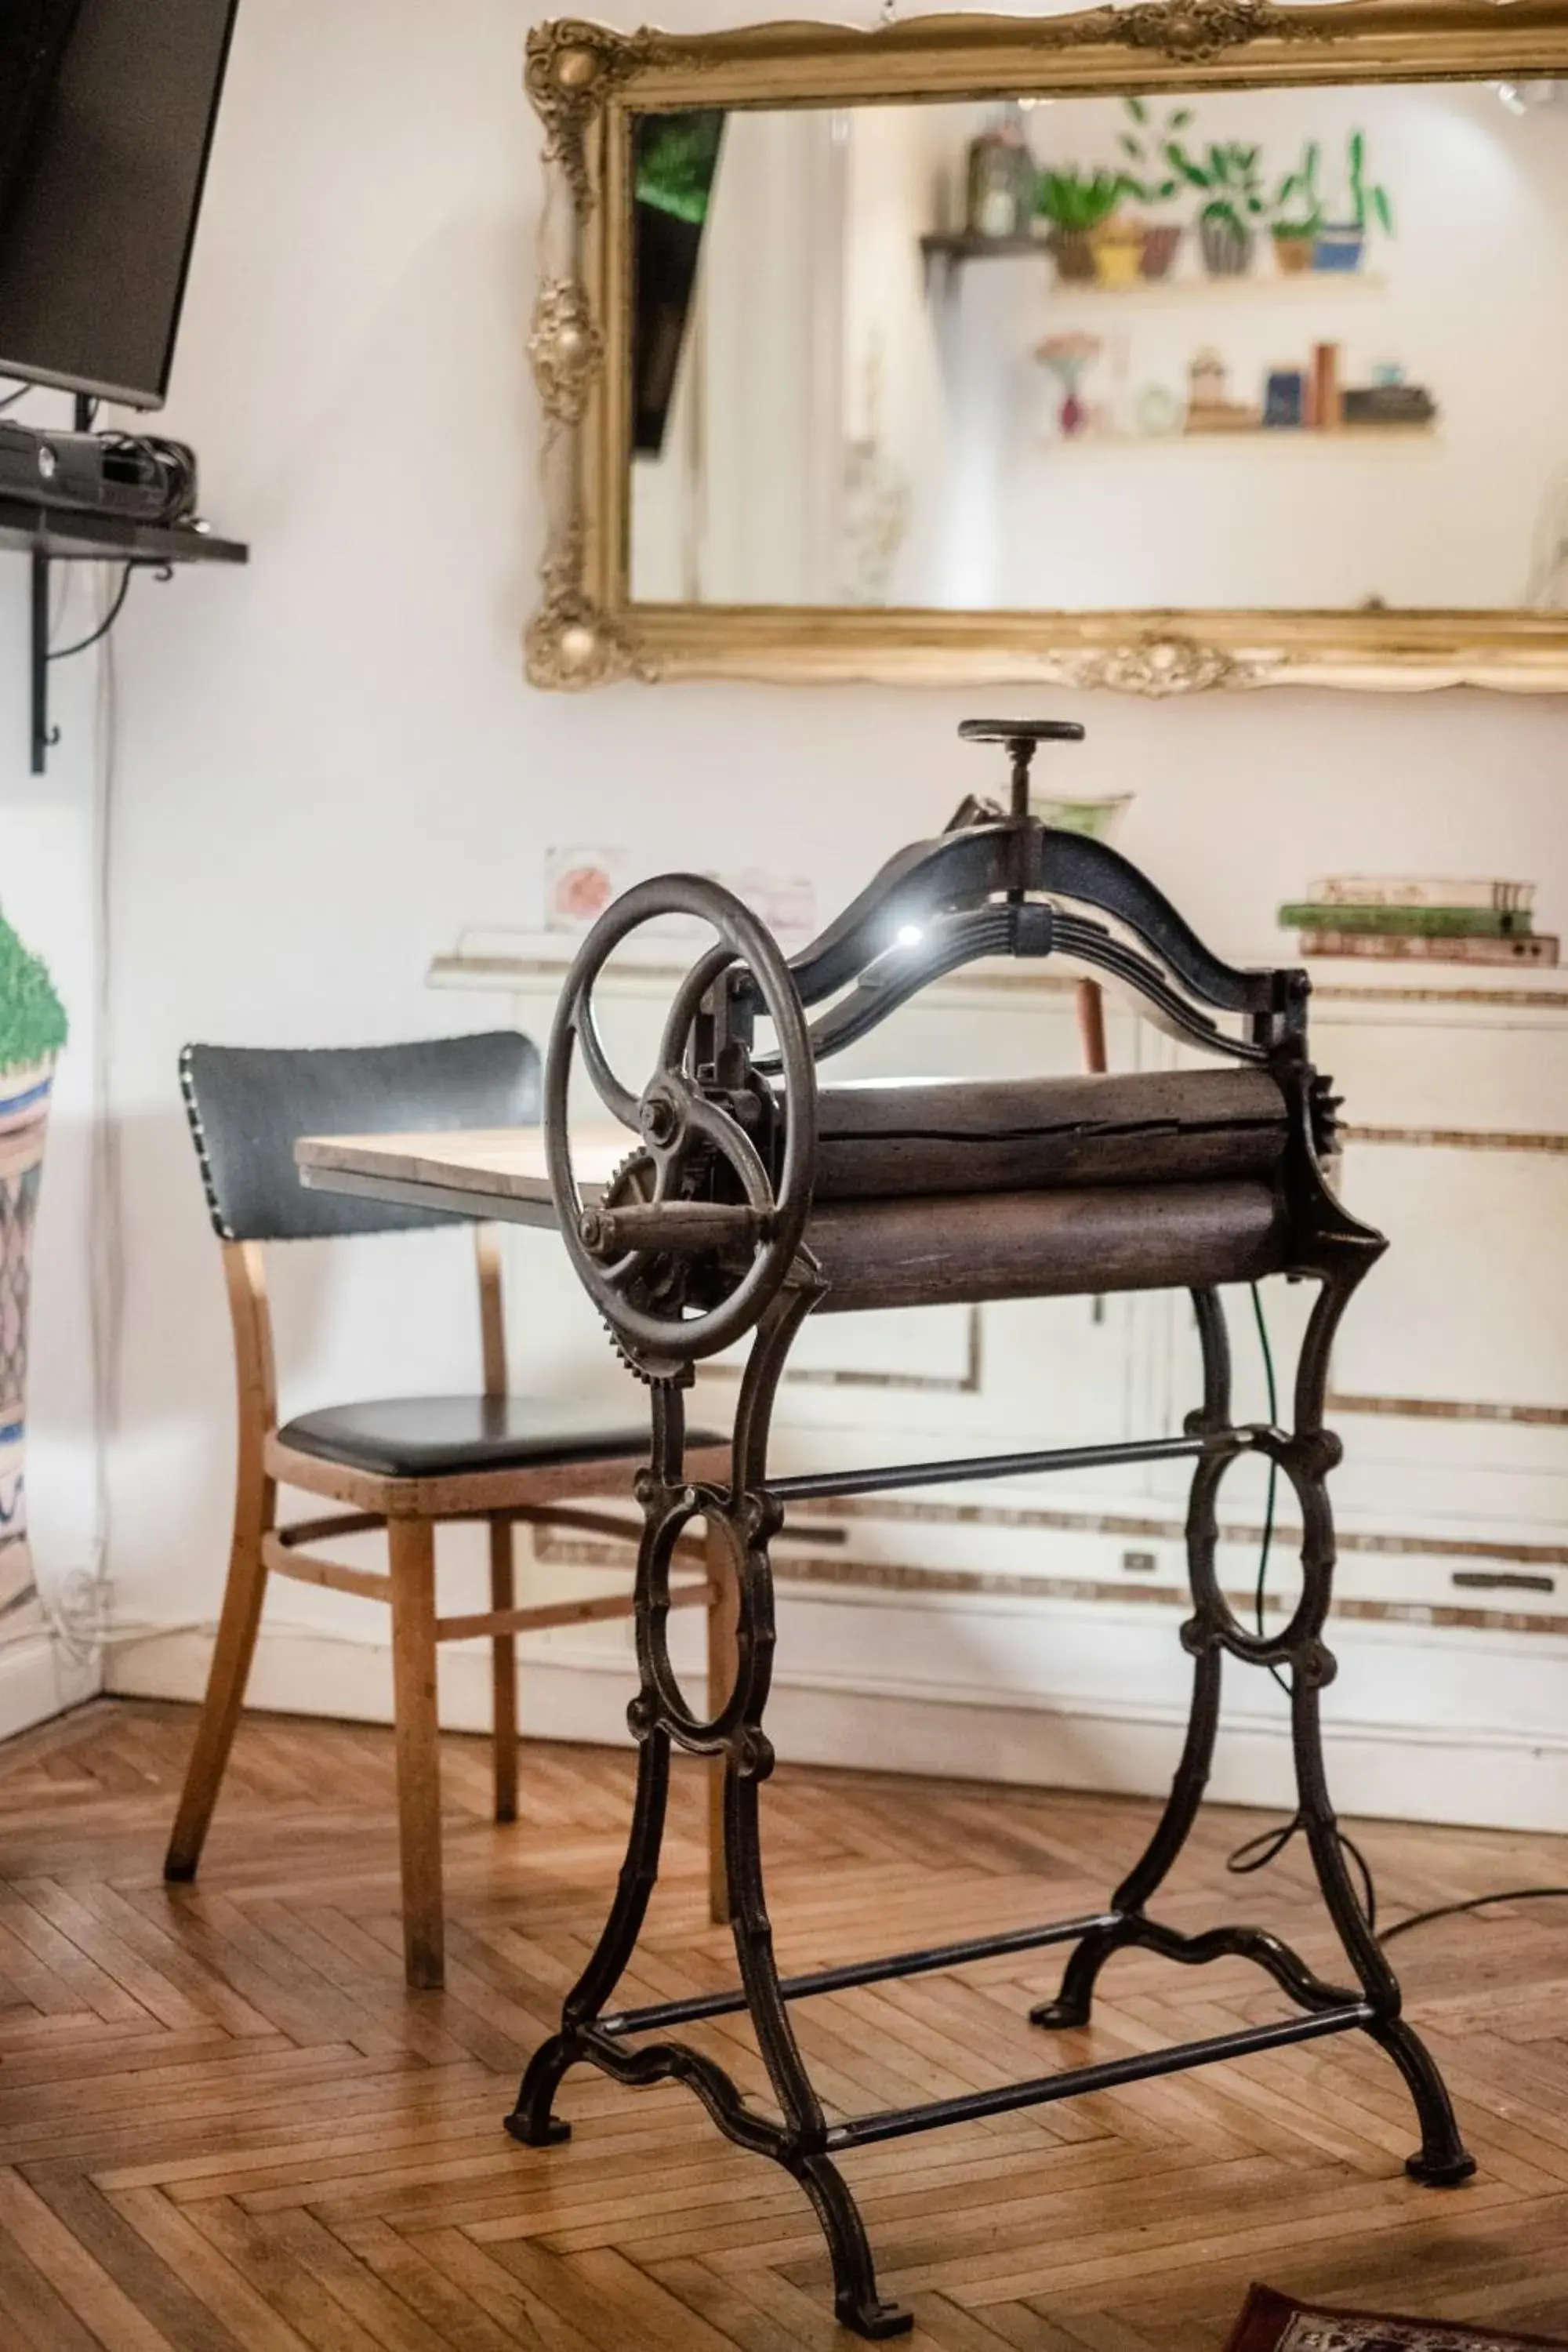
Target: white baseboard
<point>39,1677</point>
<point>1483,1774</point>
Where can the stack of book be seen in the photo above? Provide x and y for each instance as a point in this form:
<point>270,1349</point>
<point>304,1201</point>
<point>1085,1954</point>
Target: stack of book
<point>1411,915</point>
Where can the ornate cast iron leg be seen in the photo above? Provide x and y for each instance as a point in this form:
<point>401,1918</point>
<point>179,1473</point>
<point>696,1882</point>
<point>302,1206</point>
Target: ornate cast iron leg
<point>531,2120</point>
<point>1075,1999</point>
<point>1442,2160</point>
<point>1306,1457</point>
<point>748,1760</point>
<point>747,1517</point>
<point>1206,1635</point>
<point>855,2296</point>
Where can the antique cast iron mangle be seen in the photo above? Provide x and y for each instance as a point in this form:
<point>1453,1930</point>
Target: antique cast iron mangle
<point>753,1198</point>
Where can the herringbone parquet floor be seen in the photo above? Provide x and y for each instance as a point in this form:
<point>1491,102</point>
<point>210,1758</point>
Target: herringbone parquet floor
<point>225,2128</point>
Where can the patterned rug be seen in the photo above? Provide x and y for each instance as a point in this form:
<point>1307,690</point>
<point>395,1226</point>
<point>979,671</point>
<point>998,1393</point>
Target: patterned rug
<point>1276,2323</point>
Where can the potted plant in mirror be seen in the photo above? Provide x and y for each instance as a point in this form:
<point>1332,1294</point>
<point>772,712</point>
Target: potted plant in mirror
<point>1341,245</point>
<point>1075,205</point>
<point>1228,178</point>
<point>1297,213</point>
<point>1118,251</point>
<point>32,1032</point>
<point>677,157</point>
<point>1155,181</point>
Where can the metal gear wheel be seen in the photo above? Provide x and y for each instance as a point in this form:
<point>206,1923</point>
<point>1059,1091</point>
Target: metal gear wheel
<point>633,1181</point>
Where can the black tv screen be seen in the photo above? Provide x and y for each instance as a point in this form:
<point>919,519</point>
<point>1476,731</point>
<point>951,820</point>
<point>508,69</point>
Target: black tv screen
<point>101,166</point>
<point>33,36</point>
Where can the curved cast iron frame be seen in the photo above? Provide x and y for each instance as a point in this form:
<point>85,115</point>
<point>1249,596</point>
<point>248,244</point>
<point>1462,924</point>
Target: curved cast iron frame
<point>806,2143</point>
<point>944,887</point>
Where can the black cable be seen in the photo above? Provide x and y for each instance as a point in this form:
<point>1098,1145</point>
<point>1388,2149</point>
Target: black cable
<point>169,463</point>
<point>13,397</point>
<point>64,653</point>
<point>1260,1594</point>
<point>1475,1903</point>
<point>1256,1852</point>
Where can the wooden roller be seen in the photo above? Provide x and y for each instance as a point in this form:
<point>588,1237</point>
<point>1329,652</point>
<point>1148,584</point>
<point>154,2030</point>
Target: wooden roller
<point>921,1250</point>
<point>901,1138</point>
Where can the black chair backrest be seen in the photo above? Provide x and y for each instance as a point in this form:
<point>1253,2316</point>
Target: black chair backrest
<point>249,1105</point>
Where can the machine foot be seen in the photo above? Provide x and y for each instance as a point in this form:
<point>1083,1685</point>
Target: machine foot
<point>550,2132</point>
<point>876,2319</point>
<point>1064,2014</point>
<point>1441,2172</point>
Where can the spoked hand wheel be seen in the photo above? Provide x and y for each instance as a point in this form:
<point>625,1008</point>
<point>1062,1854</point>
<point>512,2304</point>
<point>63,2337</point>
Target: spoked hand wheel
<point>692,1237</point>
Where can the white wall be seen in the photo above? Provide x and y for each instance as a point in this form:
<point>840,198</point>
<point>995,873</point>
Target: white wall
<point>330,763</point>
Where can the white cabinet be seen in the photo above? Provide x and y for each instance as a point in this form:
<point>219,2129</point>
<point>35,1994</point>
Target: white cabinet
<point>962,1606</point>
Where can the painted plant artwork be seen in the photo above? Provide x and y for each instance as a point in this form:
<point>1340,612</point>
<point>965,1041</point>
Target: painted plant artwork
<point>32,1032</point>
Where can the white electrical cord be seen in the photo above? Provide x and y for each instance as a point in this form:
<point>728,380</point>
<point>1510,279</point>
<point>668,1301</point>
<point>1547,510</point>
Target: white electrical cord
<point>153,1628</point>
<point>106,1203</point>
<point>75,1609</point>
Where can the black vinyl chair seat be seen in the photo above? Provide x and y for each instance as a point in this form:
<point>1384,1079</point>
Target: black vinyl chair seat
<point>411,1463</point>
<point>434,1437</point>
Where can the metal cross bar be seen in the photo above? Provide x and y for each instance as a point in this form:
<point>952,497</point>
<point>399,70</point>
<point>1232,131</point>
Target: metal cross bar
<point>1003,1466</point>
<point>857,1972</point>
<point>897,2123</point>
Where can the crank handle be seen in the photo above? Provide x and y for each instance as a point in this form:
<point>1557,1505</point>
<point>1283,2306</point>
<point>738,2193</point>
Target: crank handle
<point>682,1228</point>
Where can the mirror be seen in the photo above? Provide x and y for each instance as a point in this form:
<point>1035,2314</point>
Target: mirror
<point>1262,349</point>
<point>1250,369</point>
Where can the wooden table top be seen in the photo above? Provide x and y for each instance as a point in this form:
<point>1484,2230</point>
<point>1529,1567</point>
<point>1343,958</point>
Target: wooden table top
<point>481,1172</point>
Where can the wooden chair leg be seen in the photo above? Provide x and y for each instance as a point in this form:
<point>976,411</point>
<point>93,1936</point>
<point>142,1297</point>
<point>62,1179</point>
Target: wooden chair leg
<point>504,1672</point>
<point>226,1678</point>
<point>723,1611</point>
<point>411,1547</point>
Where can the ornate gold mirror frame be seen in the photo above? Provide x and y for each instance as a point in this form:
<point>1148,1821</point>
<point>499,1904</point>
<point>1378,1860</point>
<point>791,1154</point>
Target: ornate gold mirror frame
<point>587,81</point>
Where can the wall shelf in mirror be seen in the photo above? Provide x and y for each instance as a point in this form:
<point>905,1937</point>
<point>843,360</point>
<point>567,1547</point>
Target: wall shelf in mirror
<point>951,250</point>
<point>962,246</point>
<point>948,251</point>
<point>769,452</point>
<point>1346,439</point>
<point>1307,286</point>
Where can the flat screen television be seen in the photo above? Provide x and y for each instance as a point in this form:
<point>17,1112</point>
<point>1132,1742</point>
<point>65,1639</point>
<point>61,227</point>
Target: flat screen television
<point>102,159</point>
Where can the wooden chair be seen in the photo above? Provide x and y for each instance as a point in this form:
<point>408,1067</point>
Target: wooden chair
<point>405,1465</point>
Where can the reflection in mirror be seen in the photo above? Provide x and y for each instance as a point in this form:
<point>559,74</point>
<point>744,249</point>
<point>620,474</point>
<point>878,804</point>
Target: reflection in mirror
<point>1287,348</point>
